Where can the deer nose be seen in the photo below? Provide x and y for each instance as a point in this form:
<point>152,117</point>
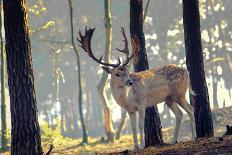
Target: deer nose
<point>129,82</point>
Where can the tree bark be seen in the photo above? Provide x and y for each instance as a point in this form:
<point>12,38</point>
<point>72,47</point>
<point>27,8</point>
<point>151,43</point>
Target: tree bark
<point>25,131</point>
<point>108,126</point>
<point>84,132</point>
<point>152,129</point>
<point>3,84</point>
<point>195,65</point>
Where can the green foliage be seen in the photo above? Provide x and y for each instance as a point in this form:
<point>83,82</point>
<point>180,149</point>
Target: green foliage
<point>8,135</point>
<point>49,134</point>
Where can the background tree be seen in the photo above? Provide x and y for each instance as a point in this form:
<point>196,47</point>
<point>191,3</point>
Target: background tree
<point>3,85</point>
<point>122,124</point>
<point>108,126</point>
<point>80,101</point>
<point>195,65</point>
<point>153,133</point>
<point>25,132</point>
<point>50,29</point>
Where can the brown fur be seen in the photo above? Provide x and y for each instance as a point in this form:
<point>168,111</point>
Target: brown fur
<point>163,84</point>
<point>170,72</point>
<point>177,77</point>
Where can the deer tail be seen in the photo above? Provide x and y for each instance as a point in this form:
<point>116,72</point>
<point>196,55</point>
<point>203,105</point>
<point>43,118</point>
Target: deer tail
<point>191,91</point>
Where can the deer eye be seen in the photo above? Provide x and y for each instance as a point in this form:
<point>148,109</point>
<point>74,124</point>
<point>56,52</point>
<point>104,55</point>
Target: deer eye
<point>118,75</point>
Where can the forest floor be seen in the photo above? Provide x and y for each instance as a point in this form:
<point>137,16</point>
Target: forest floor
<point>216,145</point>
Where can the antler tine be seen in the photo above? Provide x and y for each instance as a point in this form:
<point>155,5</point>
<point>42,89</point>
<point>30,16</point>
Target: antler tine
<point>127,60</point>
<point>126,49</point>
<point>85,43</point>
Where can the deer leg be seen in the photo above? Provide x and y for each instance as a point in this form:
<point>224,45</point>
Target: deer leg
<point>190,111</point>
<point>132,116</point>
<point>141,126</point>
<point>178,114</point>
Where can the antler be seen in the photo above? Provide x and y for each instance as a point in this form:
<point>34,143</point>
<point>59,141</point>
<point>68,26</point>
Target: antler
<point>85,43</point>
<point>126,49</point>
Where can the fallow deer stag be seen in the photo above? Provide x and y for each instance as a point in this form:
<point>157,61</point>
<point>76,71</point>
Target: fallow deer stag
<point>136,91</point>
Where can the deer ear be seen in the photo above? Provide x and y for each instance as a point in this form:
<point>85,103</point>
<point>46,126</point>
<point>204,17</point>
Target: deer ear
<point>108,70</point>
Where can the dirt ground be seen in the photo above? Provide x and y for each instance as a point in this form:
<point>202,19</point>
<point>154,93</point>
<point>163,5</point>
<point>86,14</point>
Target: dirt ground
<point>215,145</point>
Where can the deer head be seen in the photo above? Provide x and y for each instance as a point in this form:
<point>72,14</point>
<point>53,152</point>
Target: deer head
<point>119,73</point>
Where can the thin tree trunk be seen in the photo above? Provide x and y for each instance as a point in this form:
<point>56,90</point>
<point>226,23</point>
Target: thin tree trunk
<point>146,10</point>
<point>214,66</point>
<point>87,116</point>
<point>25,131</point>
<point>153,133</point>
<point>84,132</point>
<point>62,118</point>
<point>74,112</point>
<point>121,125</point>
<point>215,84</point>
<point>166,116</point>
<point>3,84</point>
<point>195,65</point>
<point>101,86</point>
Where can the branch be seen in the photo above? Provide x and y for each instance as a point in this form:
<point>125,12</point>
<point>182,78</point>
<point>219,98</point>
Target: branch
<point>145,12</point>
<point>50,150</point>
<point>52,41</point>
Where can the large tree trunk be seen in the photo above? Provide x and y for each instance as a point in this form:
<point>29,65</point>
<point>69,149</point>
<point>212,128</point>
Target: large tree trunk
<point>153,133</point>
<point>25,131</point>
<point>101,86</point>
<point>195,65</point>
<point>84,132</point>
<point>3,84</point>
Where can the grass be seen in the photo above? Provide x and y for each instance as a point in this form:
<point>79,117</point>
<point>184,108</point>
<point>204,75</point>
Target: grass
<point>69,146</point>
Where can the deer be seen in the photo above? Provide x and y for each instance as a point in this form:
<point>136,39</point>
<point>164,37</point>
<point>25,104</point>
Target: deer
<point>136,91</point>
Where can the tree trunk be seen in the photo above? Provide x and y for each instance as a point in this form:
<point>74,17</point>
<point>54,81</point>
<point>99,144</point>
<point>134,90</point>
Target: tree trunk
<point>101,86</point>
<point>121,125</point>
<point>195,65</point>
<point>84,132</point>
<point>215,84</point>
<point>25,131</point>
<point>208,6</point>
<point>166,117</point>
<point>62,111</point>
<point>153,133</point>
<point>87,115</point>
<point>146,10</point>
<point>3,84</point>
<point>73,111</point>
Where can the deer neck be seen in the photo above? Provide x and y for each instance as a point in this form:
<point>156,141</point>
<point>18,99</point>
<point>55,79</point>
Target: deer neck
<point>117,90</point>
<point>120,93</point>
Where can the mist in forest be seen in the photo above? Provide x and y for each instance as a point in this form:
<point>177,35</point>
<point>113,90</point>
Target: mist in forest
<point>55,67</point>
